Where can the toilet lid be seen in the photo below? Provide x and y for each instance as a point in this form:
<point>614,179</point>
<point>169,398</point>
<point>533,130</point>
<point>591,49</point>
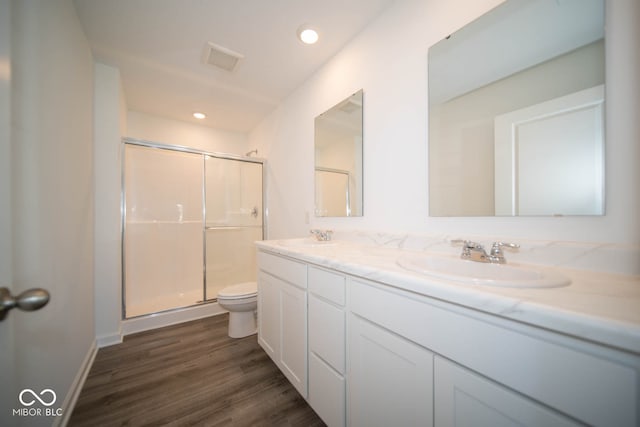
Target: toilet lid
<point>241,290</point>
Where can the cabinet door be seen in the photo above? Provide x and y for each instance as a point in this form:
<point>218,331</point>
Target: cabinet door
<point>293,352</point>
<point>390,378</point>
<point>269,315</point>
<point>464,398</point>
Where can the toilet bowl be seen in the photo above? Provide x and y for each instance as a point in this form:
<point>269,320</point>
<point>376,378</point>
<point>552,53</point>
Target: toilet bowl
<point>241,301</point>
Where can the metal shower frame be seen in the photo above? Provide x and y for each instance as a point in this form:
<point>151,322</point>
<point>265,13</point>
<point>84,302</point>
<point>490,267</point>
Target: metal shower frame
<point>182,149</point>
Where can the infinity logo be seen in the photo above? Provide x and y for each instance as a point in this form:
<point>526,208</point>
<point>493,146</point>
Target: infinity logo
<point>36,397</point>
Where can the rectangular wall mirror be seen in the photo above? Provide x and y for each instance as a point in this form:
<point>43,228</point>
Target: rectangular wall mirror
<point>338,159</point>
<point>516,112</point>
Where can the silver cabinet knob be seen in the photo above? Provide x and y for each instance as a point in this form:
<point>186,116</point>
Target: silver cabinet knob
<point>29,300</point>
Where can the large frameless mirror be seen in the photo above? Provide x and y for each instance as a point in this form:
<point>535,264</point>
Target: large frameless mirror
<point>338,159</point>
<point>516,112</point>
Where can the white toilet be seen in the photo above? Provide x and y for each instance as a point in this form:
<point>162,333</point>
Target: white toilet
<point>241,301</point>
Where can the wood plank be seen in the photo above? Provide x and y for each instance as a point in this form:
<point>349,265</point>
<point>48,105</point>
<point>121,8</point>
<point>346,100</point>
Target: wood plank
<point>189,374</point>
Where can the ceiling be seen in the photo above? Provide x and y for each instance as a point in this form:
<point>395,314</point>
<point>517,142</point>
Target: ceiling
<point>158,46</point>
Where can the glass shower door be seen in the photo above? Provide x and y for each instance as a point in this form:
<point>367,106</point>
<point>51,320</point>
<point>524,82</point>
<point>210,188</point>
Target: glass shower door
<point>163,223</point>
<point>233,221</point>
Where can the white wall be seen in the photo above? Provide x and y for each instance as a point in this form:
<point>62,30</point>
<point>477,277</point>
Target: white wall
<point>174,132</point>
<point>109,127</point>
<point>52,195</point>
<point>389,61</point>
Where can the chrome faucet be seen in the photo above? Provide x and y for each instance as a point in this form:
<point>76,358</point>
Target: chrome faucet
<point>475,251</point>
<point>497,255</point>
<point>322,235</point>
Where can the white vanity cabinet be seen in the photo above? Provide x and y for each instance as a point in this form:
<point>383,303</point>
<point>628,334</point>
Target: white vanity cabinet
<point>282,315</point>
<point>327,330</point>
<point>378,354</point>
<point>485,367</point>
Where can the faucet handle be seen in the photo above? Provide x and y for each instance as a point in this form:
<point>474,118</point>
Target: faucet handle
<point>497,245</point>
<point>466,244</point>
<point>322,235</point>
<point>496,250</point>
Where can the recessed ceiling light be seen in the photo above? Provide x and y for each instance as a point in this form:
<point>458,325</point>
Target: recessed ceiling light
<point>307,34</point>
<point>199,115</point>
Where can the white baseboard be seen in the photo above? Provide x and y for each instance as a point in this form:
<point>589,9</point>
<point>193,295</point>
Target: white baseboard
<point>107,340</point>
<point>70,400</point>
<point>110,339</point>
<point>167,318</point>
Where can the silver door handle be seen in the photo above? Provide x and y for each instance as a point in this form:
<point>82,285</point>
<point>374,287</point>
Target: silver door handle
<point>254,212</point>
<point>29,300</point>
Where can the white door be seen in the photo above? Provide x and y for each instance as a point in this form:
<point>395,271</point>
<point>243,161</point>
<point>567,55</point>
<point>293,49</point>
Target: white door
<point>46,206</point>
<point>293,356</point>
<point>390,378</point>
<point>7,391</point>
<point>465,399</point>
<point>282,327</point>
<point>549,157</point>
<point>269,318</point>
<point>6,327</point>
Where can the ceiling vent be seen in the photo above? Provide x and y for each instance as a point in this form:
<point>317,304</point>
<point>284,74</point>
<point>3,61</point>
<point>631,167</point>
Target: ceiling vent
<point>221,57</point>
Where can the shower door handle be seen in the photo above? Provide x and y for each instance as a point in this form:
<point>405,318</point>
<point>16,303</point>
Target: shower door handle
<point>254,212</point>
<point>29,300</point>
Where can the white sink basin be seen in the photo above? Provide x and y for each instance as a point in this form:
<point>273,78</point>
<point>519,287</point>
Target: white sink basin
<point>306,242</point>
<point>478,273</point>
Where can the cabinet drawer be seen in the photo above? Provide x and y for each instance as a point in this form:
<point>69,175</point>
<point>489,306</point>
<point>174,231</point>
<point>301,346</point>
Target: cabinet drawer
<point>327,285</point>
<point>327,332</point>
<point>288,270</point>
<point>326,392</point>
<point>574,378</point>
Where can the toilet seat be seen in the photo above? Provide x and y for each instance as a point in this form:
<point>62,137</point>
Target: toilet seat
<point>239,291</point>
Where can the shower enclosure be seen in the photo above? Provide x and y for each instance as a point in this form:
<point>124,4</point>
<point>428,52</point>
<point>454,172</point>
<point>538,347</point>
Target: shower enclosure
<point>333,192</point>
<point>189,222</point>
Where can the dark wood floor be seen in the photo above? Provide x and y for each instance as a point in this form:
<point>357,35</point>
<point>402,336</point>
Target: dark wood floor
<point>189,374</point>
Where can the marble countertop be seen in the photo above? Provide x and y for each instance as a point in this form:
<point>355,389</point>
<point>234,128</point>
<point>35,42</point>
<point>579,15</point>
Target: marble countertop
<point>597,306</point>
